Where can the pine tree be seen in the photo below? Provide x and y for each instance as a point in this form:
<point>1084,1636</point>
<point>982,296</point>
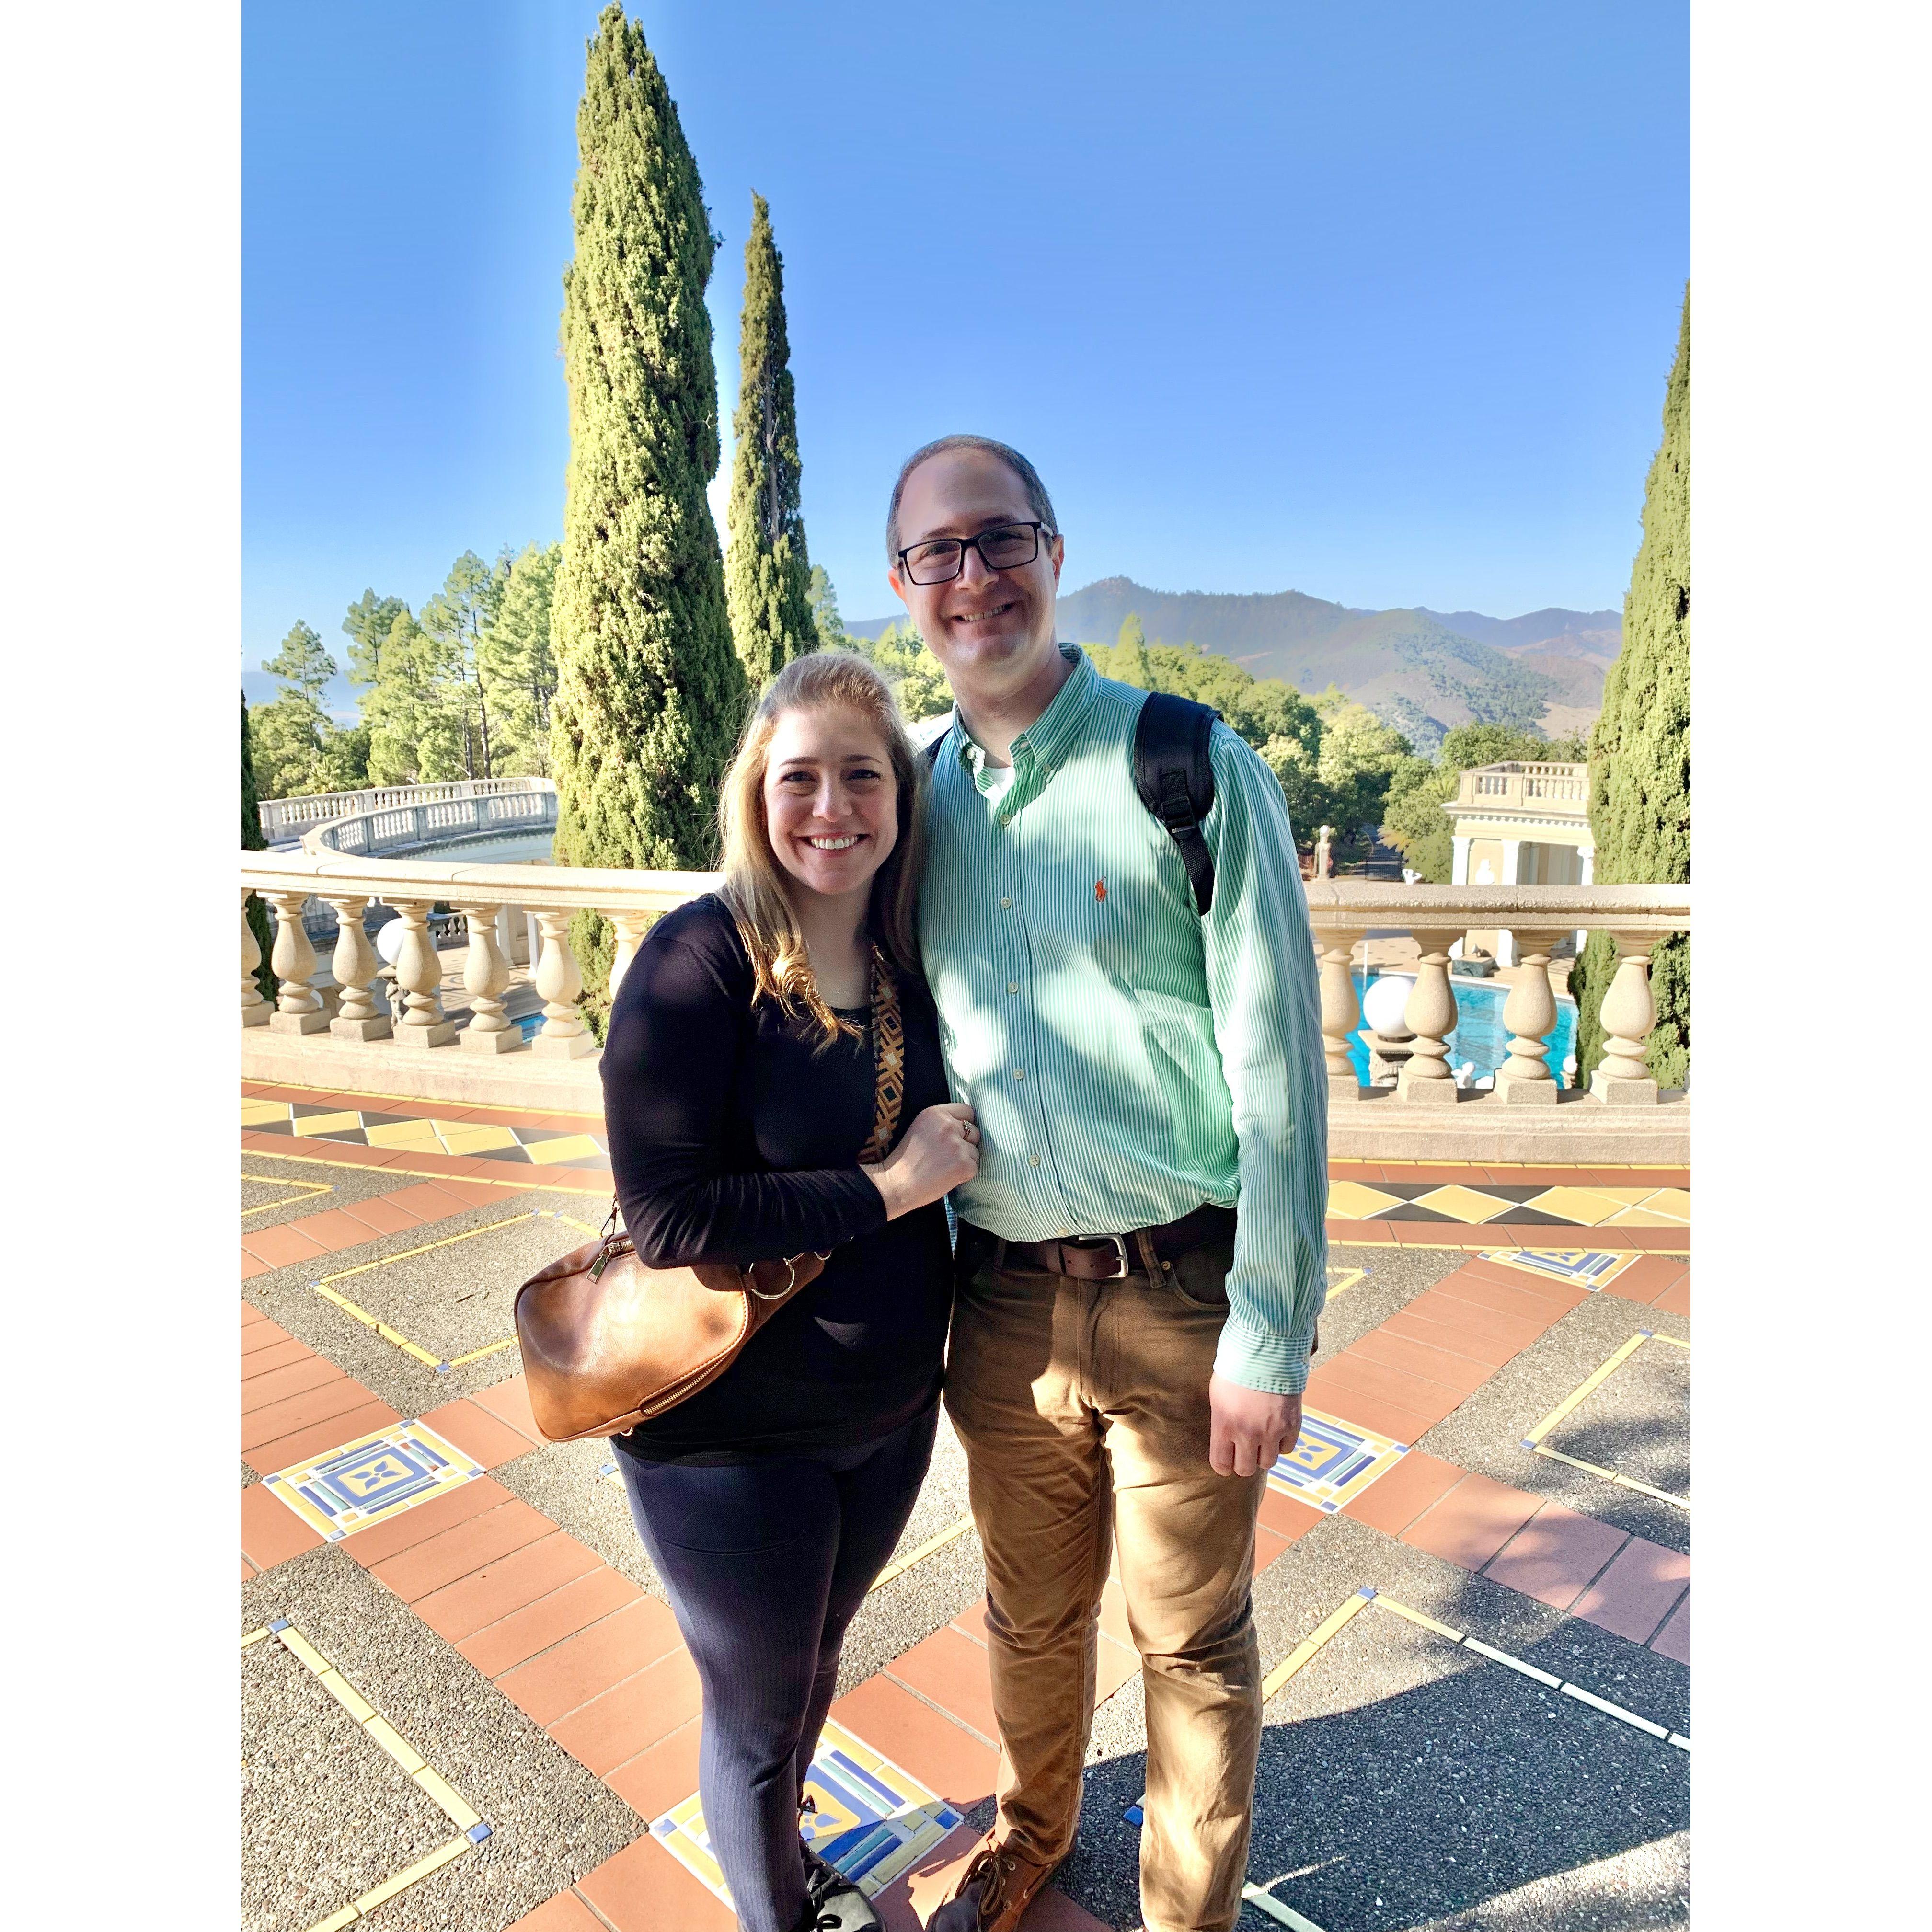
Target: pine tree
<point>650,695</point>
<point>252,841</point>
<point>767,576</point>
<point>1640,751</point>
<point>1130,657</point>
<point>826,620</point>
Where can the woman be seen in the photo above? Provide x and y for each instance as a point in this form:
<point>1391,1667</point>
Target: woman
<point>739,1089</point>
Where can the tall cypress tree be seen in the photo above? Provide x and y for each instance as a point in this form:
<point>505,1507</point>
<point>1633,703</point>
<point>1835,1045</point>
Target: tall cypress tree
<point>252,841</point>
<point>650,693</point>
<point>767,575</point>
<point>1640,751</point>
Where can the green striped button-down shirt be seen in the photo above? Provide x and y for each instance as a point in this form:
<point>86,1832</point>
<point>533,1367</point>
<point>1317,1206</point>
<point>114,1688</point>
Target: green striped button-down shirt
<point>1127,1059</point>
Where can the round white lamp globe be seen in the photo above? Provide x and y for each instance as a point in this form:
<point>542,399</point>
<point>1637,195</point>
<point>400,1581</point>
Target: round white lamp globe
<point>389,938</point>
<point>1388,995</point>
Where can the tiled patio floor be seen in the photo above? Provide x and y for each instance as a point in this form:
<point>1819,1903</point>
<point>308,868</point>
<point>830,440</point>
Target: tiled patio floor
<point>560,1643</point>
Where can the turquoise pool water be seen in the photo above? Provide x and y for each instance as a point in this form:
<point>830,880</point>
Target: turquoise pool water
<point>1480,1035</point>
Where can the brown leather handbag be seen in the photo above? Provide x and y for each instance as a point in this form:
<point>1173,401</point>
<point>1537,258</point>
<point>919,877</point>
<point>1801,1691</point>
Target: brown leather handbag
<point>608,1342</point>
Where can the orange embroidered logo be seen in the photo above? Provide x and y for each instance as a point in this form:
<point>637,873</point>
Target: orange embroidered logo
<point>1099,889</point>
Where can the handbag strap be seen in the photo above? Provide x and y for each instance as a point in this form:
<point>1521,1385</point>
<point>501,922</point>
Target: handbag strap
<point>888,1061</point>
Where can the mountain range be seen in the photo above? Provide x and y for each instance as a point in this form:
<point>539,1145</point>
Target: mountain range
<point>1420,670</point>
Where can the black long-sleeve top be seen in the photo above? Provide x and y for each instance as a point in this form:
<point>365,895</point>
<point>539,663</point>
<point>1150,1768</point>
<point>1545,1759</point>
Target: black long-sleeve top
<point>735,1138</point>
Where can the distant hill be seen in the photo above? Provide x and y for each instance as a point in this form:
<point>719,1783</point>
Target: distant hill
<point>1422,670</point>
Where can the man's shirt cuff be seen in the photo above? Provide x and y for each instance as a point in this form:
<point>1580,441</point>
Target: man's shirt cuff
<point>1263,1358</point>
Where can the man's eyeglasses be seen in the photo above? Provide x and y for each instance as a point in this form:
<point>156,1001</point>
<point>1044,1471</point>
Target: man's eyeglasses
<point>940,561</point>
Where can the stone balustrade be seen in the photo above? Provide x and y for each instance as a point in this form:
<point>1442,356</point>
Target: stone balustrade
<point>412,826</point>
<point>1343,913</point>
<point>1521,784</point>
<point>285,819</point>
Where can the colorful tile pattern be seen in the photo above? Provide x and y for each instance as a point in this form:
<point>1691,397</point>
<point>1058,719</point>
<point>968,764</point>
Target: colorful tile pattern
<point>872,1820</point>
<point>1333,1462</point>
<point>530,1147</point>
<point>1509,1204</point>
<point>1581,1268</point>
<point>371,1479</point>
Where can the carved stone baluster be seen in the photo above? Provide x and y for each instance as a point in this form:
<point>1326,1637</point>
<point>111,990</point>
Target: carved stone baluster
<point>1529,1016</point>
<point>1341,1014</point>
<point>419,978</point>
<point>354,966</point>
<point>631,926</point>
<point>561,983</point>
<point>298,1006</point>
<point>255,1009</point>
<point>1622,1079</point>
<point>486,974</point>
<point>1430,1015</point>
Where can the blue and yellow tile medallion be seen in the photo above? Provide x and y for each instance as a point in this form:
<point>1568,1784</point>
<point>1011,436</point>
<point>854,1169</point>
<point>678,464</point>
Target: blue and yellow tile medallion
<point>872,1820</point>
<point>1333,1462</point>
<point>1581,1268</point>
<point>376,1476</point>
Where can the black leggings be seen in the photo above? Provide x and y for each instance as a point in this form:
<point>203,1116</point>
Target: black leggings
<point>765,1563</point>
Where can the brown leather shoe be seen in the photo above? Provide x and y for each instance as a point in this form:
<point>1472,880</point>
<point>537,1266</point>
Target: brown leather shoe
<point>993,1893</point>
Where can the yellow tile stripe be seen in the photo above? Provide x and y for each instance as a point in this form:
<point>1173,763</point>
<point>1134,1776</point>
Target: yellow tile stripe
<point>1304,1652</point>
<point>447,1799</point>
<point>515,1185</point>
<point>1610,1476</point>
<point>1262,1899</point>
<point>1590,1385</point>
<point>919,1555</point>
<point>416,1100</point>
<point>310,1190</point>
<point>448,1241</point>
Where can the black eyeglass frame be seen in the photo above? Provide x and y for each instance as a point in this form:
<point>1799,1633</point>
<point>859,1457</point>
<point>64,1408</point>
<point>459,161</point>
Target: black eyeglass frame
<point>977,543</point>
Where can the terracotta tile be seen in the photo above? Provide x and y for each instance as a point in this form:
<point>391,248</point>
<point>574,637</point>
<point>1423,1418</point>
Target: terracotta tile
<point>381,1541</point>
<point>280,1247</point>
<point>1353,1373</point>
<point>1267,1546</point>
<point>565,1913</point>
<point>971,1621</point>
<point>1673,1641</point>
<point>527,1633</point>
<point>415,1572</point>
<point>477,1432</point>
<point>499,1589</point>
<point>944,1756</point>
<point>251,1267</point>
<point>333,1229</point>
<point>473,1193</point>
<point>1405,1325</point>
<point>275,1386</point>
<point>1386,1418</point>
<point>1462,1375</point>
<point>1647,1277</point>
<point>1447,1234</point>
<point>509,1402</point>
<point>1116,1662</point>
<point>1286,1517</point>
<point>1521,1299</point>
<point>1472,1522</point>
<point>319,1437</point>
<point>644,1889</point>
<point>1392,1502</point>
<point>1650,1241</point>
<point>631,1717</point>
<point>1631,1597</point>
<point>1675,1300</point>
<point>249,1572</point>
<point>282,1354</point>
<point>337,1396</point>
<point>654,1781</point>
<point>952,1671</point>
<point>1114,1622</point>
<point>1555,1554</point>
<point>1477,1329</point>
<point>429,1201</point>
<point>607,1654</point>
<point>1361,1234</point>
<point>383,1214</point>
<point>250,1316</point>
<point>271,1532</point>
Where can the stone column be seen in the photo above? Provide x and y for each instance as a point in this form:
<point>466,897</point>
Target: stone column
<point>419,979</point>
<point>1529,1013</point>
<point>1430,1015</point>
<point>561,983</point>
<point>255,1009</point>
<point>1459,868</point>
<point>1341,1014</point>
<point>298,1006</point>
<point>354,967</point>
<point>631,927</point>
<point>1513,869</point>
<point>486,976</point>
<point>1622,1079</point>
<point>1586,858</point>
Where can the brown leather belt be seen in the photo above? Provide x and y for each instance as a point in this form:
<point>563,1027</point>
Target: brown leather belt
<point>1109,1257</point>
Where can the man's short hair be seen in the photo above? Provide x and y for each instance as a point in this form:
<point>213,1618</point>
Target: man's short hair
<point>1038,501</point>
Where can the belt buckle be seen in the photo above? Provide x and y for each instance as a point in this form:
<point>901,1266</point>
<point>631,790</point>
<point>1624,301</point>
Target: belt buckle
<point>1120,1248</point>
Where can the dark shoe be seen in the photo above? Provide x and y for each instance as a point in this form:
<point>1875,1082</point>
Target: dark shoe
<point>833,1904</point>
<point>993,1893</point>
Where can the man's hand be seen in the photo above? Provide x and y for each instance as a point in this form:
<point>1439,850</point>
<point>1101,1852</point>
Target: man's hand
<point>1249,1428</point>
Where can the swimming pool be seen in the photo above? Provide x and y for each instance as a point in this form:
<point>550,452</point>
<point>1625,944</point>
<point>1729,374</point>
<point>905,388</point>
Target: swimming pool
<point>1479,1037</point>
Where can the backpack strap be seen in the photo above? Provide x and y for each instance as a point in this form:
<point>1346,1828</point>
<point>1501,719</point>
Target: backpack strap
<point>1174,775</point>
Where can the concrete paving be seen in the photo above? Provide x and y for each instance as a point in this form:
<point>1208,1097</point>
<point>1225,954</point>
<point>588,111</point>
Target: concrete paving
<point>284,1178</point>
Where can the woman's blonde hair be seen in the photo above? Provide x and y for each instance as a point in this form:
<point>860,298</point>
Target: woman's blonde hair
<point>754,888</point>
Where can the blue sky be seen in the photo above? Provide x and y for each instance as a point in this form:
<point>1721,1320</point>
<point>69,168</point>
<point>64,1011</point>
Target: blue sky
<point>1374,304</point>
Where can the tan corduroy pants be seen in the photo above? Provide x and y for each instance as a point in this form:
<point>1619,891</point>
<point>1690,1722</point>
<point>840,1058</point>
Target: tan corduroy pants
<point>1083,1407</point>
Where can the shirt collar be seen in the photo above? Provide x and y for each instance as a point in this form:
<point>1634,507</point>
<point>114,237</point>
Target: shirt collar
<point>1053,733</point>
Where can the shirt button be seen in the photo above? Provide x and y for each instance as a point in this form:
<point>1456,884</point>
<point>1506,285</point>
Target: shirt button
<point>1019,1073</point>
<point>1005,902</point>
<point>1006,818</point>
<point>1012,986</point>
<point>1034,1159</point>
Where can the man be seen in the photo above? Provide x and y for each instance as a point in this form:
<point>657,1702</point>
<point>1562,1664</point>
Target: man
<point>1128,1356</point>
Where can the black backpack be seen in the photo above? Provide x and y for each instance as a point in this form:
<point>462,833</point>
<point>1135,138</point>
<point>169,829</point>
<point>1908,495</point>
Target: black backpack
<point>1173,777</point>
